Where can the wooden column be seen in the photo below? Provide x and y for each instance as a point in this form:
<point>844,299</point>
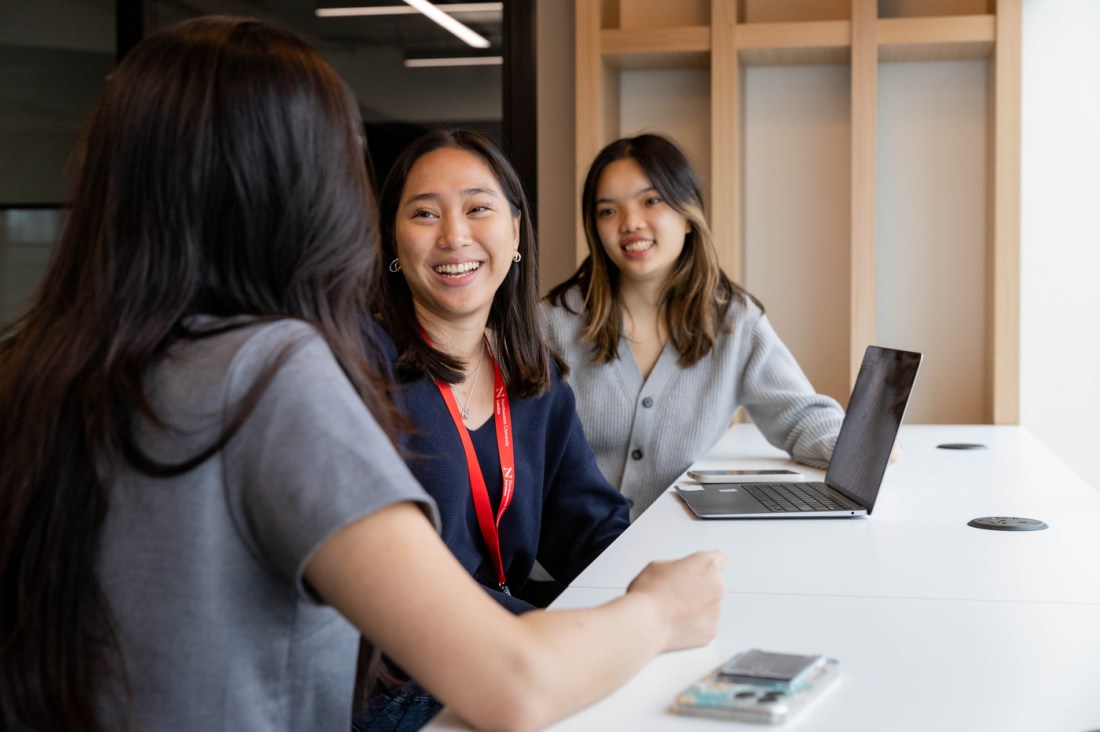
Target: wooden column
<point>725,212</point>
<point>589,120</point>
<point>1003,283</point>
<point>862,303</point>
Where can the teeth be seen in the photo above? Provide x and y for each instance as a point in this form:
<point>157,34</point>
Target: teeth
<point>457,269</point>
<point>638,246</point>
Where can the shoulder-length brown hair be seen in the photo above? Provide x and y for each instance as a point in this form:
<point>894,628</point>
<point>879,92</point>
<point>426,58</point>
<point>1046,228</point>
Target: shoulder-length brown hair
<point>697,294</point>
<point>222,172</point>
<point>521,351</point>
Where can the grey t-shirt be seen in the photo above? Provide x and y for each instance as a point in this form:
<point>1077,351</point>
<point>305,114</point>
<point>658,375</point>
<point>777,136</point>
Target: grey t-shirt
<point>203,572</point>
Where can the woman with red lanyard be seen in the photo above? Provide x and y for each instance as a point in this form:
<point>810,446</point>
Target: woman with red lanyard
<point>494,435</point>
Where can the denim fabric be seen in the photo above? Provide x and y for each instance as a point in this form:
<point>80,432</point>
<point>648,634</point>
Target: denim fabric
<point>399,710</point>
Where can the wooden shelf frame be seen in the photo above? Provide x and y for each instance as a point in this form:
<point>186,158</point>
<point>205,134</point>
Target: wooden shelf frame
<point>810,42</point>
<point>656,48</point>
<point>727,47</point>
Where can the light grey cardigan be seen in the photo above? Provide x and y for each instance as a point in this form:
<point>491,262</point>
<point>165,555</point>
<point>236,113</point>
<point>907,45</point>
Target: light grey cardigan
<point>646,432</point>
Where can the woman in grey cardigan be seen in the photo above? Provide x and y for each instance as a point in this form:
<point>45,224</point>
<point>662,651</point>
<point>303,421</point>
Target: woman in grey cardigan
<point>663,347</point>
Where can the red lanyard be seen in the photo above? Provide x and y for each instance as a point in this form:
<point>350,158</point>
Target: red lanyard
<point>502,414</point>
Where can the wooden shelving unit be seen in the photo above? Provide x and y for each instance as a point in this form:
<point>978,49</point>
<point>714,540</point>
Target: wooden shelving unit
<point>726,37</point>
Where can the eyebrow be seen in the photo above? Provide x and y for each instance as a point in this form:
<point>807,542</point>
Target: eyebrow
<point>430,196</point>
<point>636,194</point>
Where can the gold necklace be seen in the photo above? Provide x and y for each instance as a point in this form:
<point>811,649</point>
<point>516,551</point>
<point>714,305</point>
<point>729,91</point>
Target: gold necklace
<point>473,381</point>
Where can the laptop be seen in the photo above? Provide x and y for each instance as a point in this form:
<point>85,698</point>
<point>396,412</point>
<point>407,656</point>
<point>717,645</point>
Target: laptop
<point>859,460</point>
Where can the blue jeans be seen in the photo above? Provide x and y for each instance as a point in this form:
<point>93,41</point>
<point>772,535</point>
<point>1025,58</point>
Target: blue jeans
<point>398,710</point>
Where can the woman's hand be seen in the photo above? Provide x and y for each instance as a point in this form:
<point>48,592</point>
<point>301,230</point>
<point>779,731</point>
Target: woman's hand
<point>688,595</point>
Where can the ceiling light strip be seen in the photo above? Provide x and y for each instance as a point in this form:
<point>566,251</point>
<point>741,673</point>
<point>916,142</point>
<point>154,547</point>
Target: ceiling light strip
<point>421,63</point>
<point>406,10</point>
<point>449,23</point>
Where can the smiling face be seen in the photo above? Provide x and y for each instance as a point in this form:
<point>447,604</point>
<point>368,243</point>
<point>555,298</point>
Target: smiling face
<point>641,233</point>
<point>455,236</point>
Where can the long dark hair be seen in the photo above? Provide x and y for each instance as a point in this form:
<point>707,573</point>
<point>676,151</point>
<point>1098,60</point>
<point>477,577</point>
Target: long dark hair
<point>222,172</point>
<point>521,350</point>
<point>697,294</point>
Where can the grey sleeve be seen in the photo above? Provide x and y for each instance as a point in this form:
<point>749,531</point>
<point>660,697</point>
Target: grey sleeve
<point>310,459</point>
<point>782,402</point>
<point>550,330</point>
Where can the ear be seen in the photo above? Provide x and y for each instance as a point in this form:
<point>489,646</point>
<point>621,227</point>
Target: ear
<point>515,232</point>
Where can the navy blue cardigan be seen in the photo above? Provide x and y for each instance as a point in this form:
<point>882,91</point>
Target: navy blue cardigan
<point>563,511</point>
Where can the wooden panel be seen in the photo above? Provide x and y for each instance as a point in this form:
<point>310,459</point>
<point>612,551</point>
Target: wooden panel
<point>780,11</point>
<point>825,56</point>
<point>589,81</point>
<point>690,39</point>
<point>1004,264</point>
<point>917,8</point>
<point>778,44</point>
<point>794,35</point>
<point>638,61</point>
<point>861,329</point>
<point>609,14</point>
<point>662,13</point>
<point>936,39</point>
<point>724,210</point>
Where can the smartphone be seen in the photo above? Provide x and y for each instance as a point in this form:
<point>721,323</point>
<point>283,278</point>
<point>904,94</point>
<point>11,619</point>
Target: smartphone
<point>781,671</point>
<point>746,476</point>
<point>763,687</point>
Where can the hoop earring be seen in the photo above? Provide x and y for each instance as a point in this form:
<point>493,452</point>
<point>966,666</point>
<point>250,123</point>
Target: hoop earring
<point>517,256</point>
<point>395,266</point>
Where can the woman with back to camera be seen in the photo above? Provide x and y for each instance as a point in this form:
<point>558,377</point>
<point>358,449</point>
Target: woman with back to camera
<point>662,347</point>
<point>495,437</point>
<point>200,505</point>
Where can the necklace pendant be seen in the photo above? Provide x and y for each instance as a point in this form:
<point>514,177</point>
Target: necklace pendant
<point>465,414</point>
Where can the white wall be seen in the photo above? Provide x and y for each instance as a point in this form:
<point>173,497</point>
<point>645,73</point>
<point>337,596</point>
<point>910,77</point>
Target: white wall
<point>672,102</point>
<point>1060,229</point>
<point>796,202</point>
<point>932,231</point>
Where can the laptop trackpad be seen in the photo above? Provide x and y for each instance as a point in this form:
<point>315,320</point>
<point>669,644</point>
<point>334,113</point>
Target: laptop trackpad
<point>715,500</point>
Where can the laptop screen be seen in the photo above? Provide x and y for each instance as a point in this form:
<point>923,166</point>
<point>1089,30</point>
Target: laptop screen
<point>871,423</point>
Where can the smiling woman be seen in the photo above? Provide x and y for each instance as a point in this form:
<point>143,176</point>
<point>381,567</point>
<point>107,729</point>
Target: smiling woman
<point>495,436</point>
<point>663,347</point>
<point>456,239</point>
<point>642,234</point>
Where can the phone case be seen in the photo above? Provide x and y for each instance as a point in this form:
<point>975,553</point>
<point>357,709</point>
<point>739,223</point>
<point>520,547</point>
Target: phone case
<point>712,696</point>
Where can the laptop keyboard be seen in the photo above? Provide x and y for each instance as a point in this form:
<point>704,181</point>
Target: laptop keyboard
<point>794,497</point>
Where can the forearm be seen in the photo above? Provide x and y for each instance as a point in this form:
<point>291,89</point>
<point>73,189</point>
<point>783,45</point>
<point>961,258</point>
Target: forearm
<point>392,577</point>
<point>395,580</point>
<point>583,655</point>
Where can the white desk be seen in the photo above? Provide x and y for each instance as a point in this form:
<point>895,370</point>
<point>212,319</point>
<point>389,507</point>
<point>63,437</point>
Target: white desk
<point>937,625</point>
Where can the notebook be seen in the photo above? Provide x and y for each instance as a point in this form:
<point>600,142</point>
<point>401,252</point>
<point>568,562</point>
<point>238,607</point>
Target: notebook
<point>859,460</point>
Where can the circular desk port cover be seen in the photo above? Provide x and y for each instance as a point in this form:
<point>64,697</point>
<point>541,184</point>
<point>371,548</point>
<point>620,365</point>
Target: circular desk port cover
<point>1007,523</point>
<point>962,446</point>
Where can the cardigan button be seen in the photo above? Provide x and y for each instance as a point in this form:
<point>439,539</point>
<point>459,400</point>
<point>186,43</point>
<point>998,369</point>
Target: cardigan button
<point>647,402</point>
<point>637,454</point>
